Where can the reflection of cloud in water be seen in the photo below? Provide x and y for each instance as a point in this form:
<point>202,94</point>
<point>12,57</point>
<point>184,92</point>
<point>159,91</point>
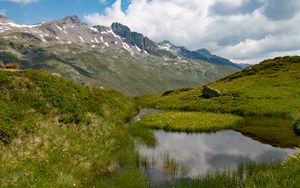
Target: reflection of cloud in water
<point>205,152</point>
<point>271,155</point>
<point>224,161</point>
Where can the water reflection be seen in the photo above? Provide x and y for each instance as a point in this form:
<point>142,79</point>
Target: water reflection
<point>201,153</point>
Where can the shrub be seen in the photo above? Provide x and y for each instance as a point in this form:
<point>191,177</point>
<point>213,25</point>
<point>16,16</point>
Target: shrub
<point>297,126</point>
<point>12,66</point>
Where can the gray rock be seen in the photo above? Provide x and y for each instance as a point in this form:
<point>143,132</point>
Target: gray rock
<point>210,92</point>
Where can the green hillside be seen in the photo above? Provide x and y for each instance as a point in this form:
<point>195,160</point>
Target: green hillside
<point>269,88</point>
<point>54,133</point>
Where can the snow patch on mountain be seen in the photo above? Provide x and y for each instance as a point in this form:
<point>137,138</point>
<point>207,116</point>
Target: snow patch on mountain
<point>81,39</point>
<point>106,44</point>
<point>59,27</point>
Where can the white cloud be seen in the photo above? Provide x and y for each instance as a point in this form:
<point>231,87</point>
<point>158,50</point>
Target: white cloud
<point>3,12</point>
<point>20,1</point>
<point>251,31</point>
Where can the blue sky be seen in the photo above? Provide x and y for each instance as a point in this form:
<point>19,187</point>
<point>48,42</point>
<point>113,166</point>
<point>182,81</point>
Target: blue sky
<point>28,12</point>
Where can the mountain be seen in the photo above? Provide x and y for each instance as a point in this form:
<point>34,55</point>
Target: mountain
<point>244,65</point>
<point>108,57</point>
<point>201,54</point>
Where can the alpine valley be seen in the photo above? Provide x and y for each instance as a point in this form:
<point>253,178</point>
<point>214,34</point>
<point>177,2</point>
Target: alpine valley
<point>112,57</point>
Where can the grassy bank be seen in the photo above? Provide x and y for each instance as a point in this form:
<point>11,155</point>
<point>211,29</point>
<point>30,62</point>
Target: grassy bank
<point>276,131</point>
<point>55,133</point>
<point>188,121</point>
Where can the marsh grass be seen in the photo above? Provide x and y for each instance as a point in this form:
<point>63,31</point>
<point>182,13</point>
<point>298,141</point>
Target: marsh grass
<point>171,166</point>
<point>189,121</point>
<point>142,134</point>
<point>252,175</point>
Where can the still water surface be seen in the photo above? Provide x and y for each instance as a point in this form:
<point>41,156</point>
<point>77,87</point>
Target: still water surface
<point>201,153</point>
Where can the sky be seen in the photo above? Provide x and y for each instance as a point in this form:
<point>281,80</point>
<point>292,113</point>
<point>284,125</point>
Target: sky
<point>245,31</point>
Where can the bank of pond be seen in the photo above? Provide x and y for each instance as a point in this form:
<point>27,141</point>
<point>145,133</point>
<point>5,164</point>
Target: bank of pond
<point>200,148</point>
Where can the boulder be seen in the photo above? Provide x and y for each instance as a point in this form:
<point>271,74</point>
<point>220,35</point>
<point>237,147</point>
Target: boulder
<point>210,92</point>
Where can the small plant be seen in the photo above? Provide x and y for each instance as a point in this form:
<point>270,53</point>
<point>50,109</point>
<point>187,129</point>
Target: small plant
<point>12,66</point>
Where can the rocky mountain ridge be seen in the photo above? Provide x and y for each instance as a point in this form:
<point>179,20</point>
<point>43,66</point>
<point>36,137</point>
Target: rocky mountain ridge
<point>200,54</point>
<point>110,57</point>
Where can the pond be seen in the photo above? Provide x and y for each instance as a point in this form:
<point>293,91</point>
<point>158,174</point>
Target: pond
<point>182,155</point>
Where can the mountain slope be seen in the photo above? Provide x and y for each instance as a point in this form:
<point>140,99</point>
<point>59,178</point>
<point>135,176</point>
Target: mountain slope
<point>110,57</point>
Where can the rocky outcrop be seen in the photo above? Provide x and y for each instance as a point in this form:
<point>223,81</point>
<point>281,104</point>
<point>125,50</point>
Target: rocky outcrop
<point>72,20</point>
<point>4,19</point>
<point>133,38</point>
<point>210,92</point>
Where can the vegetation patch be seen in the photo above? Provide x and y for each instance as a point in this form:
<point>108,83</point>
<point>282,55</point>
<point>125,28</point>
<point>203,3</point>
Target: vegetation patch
<point>54,133</point>
<point>189,121</point>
